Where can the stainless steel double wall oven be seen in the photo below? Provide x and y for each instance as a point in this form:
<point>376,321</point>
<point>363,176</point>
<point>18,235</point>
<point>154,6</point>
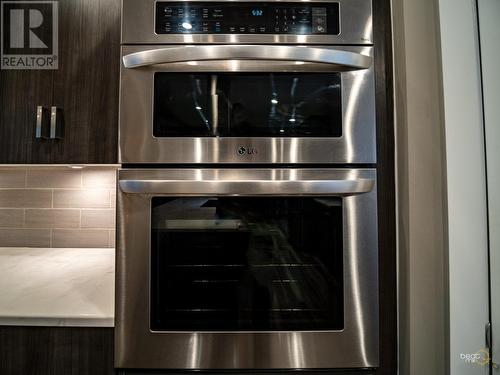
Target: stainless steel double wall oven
<point>247,236</point>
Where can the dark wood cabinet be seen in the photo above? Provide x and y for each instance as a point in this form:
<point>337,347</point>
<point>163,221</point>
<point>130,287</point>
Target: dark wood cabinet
<point>21,91</point>
<point>84,89</point>
<point>56,351</point>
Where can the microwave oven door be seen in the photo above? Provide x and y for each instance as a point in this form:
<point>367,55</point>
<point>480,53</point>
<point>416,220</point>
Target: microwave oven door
<point>247,104</point>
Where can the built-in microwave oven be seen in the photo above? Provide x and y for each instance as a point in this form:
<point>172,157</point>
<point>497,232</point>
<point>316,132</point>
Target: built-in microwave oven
<point>242,82</point>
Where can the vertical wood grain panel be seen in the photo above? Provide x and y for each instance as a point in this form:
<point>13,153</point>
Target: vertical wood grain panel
<point>56,351</point>
<point>85,87</point>
<point>21,91</point>
<point>386,186</point>
<point>86,84</point>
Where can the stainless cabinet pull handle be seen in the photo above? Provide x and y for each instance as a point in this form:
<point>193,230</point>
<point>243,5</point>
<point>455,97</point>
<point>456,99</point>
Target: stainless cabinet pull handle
<point>40,114</point>
<point>55,124</point>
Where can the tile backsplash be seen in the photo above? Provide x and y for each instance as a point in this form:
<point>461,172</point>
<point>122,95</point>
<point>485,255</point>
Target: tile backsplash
<point>57,206</point>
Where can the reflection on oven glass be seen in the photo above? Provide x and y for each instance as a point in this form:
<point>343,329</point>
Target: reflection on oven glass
<point>247,105</point>
<point>246,264</point>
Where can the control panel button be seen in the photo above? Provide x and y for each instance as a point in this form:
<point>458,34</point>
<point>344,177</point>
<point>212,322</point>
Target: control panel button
<point>319,20</point>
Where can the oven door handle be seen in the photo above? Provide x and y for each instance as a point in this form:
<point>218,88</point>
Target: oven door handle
<point>337,59</point>
<point>344,187</point>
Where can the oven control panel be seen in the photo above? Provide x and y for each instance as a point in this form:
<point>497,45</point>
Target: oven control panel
<point>299,18</point>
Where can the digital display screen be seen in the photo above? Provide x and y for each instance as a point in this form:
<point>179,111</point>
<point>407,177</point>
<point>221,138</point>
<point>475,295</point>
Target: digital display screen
<point>257,12</point>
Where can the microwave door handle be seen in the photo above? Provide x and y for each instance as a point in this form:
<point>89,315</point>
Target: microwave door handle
<point>338,59</point>
<point>250,188</point>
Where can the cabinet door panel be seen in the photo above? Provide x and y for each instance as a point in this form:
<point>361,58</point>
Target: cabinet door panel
<point>21,91</point>
<point>56,351</point>
<point>86,83</point>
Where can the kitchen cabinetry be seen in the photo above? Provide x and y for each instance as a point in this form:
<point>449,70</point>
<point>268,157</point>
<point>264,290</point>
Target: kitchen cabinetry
<point>56,351</point>
<point>84,89</point>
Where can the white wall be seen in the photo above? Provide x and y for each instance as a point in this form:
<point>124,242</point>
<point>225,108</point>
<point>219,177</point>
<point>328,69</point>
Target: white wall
<point>489,18</point>
<point>441,185</point>
<point>466,197</point>
<point>420,188</point>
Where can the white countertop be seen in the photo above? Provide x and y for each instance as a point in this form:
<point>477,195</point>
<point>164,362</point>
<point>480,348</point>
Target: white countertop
<point>57,287</point>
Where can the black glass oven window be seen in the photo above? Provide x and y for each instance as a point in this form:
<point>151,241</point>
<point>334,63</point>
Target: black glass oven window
<point>247,105</point>
<point>246,264</point>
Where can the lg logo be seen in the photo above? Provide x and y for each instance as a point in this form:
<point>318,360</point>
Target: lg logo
<point>246,151</point>
<point>29,34</point>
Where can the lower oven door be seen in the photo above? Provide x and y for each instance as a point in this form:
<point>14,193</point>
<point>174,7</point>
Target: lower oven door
<point>247,269</point>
